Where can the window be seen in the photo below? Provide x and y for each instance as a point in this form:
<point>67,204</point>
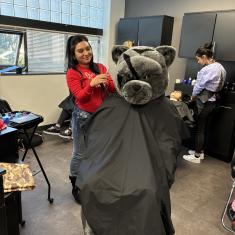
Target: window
<point>7,9</point>
<point>11,49</point>
<point>44,4</point>
<point>45,50</point>
<point>33,13</point>
<point>86,13</point>
<point>44,28</point>
<point>20,11</point>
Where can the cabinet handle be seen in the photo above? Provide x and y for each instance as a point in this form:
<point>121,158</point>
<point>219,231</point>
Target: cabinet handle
<point>213,47</point>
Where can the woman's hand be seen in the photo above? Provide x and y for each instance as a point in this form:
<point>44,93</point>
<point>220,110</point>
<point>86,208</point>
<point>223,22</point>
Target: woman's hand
<point>99,79</point>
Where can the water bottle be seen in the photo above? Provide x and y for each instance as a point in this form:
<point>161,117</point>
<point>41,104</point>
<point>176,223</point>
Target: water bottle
<point>189,81</point>
<point>177,81</point>
<point>6,119</point>
<point>193,82</point>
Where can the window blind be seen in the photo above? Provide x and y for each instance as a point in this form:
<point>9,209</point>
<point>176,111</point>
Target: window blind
<point>46,51</point>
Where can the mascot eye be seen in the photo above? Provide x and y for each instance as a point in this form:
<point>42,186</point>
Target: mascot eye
<point>123,79</point>
<point>147,78</point>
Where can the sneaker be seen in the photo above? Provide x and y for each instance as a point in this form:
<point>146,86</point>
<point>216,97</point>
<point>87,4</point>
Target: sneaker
<point>192,152</point>
<point>192,158</point>
<point>53,130</point>
<point>66,134</point>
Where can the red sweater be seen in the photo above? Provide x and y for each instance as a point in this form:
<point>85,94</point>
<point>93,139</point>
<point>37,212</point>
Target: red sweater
<point>87,98</point>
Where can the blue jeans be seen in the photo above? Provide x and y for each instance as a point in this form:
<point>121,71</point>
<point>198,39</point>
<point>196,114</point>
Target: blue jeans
<point>78,118</point>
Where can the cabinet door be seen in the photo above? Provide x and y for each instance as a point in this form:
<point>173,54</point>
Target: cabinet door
<point>128,30</point>
<point>224,36</point>
<point>9,145</point>
<point>220,139</point>
<point>150,31</point>
<point>197,29</point>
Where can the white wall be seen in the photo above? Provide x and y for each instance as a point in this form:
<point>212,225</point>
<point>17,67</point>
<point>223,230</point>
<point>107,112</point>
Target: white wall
<point>176,9</point>
<point>116,12</point>
<point>42,93</point>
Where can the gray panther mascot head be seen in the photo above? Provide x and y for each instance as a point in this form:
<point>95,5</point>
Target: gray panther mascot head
<point>142,72</point>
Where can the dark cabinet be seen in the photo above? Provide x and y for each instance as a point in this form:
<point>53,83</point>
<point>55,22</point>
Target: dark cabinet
<point>200,28</point>
<point>220,134</point>
<point>224,36</point>
<point>128,30</point>
<point>11,202</point>
<point>197,29</point>
<point>9,145</point>
<point>146,31</point>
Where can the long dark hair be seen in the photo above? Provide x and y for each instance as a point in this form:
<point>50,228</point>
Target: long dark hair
<point>70,53</point>
<point>205,50</point>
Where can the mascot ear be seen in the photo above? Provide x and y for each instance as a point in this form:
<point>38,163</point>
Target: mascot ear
<point>168,52</point>
<point>117,51</point>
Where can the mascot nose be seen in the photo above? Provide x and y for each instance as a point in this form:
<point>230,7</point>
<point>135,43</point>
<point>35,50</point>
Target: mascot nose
<point>136,87</point>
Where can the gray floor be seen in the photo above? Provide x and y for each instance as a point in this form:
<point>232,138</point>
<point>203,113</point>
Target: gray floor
<point>198,195</point>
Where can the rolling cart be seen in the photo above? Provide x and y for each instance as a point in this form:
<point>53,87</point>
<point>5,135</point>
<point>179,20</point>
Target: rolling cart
<point>24,121</point>
<point>229,197</point>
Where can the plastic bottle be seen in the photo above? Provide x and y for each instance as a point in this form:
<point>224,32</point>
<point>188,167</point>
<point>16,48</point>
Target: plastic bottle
<point>177,80</point>
<point>189,81</point>
<point>193,82</point>
<point>6,119</point>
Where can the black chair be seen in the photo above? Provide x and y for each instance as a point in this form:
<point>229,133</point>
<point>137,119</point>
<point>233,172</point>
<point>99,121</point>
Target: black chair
<point>4,107</point>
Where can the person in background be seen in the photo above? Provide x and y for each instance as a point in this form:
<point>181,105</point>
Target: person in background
<point>182,108</point>
<point>128,43</point>
<point>67,106</point>
<point>210,80</point>
<point>89,84</point>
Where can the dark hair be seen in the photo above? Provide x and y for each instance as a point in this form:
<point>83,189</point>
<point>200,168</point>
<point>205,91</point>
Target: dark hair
<point>70,53</point>
<point>205,50</point>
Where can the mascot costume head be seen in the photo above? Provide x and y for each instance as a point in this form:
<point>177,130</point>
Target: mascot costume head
<point>131,147</point>
<point>142,72</point>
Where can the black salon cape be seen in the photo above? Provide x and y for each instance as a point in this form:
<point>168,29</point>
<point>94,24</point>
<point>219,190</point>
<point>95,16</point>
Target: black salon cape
<point>129,166</point>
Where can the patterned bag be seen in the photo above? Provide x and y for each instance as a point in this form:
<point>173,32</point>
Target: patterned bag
<point>18,177</point>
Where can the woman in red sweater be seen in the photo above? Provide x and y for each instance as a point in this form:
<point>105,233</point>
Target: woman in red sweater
<point>89,83</point>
